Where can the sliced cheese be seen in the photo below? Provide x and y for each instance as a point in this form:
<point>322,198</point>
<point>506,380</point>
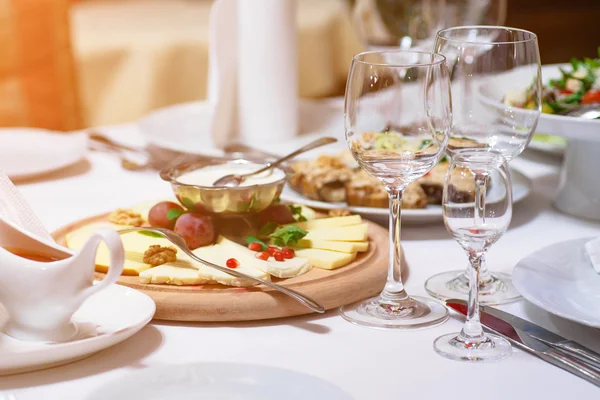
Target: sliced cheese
<point>133,263</point>
<point>332,222</point>
<point>353,233</point>
<point>171,275</point>
<point>326,259</point>
<point>282,269</point>
<point>344,247</point>
<point>217,254</point>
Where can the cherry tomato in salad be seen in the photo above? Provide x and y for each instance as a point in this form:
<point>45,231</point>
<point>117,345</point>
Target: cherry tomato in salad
<point>255,246</point>
<point>278,256</point>
<point>263,255</point>
<point>566,92</point>
<point>288,253</point>
<point>592,96</point>
<point>232,263</point>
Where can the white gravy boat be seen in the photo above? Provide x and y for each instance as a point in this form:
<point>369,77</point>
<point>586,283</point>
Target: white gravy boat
<point>41,297</point>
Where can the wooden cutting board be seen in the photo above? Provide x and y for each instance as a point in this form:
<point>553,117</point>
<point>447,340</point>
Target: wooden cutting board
<point>363,278</point>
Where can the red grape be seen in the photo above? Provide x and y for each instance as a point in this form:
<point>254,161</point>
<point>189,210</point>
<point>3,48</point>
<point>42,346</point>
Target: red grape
<point>196,229</point>
<point>278,213</point>
<point>158,214</point>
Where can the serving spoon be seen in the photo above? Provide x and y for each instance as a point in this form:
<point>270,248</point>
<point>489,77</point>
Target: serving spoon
<point>234,180</point>
<point>586,111</point>
<point>179,242</point>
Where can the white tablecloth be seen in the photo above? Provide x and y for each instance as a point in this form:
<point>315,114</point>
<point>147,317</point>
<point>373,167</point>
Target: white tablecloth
<point>368,364</point>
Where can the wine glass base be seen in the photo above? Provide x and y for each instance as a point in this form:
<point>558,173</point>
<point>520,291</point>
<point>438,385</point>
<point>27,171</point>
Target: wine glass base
<point>455,285</point>
<point>378,313</point>
<point>493,348</point>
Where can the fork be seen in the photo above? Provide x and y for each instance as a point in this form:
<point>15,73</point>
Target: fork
<point>179,242</point>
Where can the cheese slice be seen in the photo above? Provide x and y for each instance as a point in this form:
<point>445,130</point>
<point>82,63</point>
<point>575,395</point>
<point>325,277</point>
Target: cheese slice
<point>326,259</point>
<point>219,255</point>
<point>171,275</point>
<point>344,247</point>
<point>353,233</point>
<point>331,222</point>
<point>282,269</point>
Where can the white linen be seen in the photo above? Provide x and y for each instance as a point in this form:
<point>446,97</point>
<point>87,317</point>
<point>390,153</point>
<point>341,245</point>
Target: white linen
<point>367,364</point>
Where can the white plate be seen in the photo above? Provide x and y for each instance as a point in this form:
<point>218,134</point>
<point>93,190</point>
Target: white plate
<point>219,381</point>
<point>26,152</point>
<point>561,280</point>
<point>550,124</point>
<point>118,312</point>
<point>186,127</point>
<point>432,213</point>
<point>556,147</point>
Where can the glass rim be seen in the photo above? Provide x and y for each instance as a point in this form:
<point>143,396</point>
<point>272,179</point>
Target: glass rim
<point>440,34</point>
<point>440,58</point>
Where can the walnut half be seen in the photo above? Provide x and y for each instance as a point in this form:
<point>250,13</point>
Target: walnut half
<point>339,212</point>
<point>158,255</point>
<point>125,217</point>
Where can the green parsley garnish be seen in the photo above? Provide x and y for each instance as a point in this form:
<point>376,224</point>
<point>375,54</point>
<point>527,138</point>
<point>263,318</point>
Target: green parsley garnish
<point>297,213</point>
<point>174,214</point>
<point>289,234</point>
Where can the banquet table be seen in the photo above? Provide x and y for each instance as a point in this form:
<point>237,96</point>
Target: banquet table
<point>366,363</point>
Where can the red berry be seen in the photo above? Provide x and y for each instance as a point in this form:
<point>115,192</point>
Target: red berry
<point>288,253</point>
<point>232,263</point>
<point>263,255</point>
<point>255,246</point>
<point>278,256</point>
<point>272,250</point>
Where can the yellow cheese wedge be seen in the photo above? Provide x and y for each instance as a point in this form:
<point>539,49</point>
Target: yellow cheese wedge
<point>344,247</point>
<point>282,269</point>
<point>332,222</point>
<point>326,259</point>
<point>171,275</point>
<point>352,233</point>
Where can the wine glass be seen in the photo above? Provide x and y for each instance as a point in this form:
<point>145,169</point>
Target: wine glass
<point>475,229</point>
<point>489,64</point>
<point>397,117</point>
<point>413,24</point>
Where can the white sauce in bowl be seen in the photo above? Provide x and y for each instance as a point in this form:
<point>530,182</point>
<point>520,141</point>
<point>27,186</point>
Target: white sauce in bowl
<point>208,175</point>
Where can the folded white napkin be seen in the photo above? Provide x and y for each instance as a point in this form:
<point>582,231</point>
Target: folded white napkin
<point>15,209</point>
<point>253,71</point>
<point>593,251</point>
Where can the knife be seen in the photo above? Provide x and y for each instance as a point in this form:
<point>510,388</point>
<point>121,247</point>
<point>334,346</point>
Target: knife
<point>525,341</point>
<point>547,337</point>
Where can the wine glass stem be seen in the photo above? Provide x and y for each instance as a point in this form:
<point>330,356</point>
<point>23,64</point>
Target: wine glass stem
<point>472,330</point>
<point>394,288</point>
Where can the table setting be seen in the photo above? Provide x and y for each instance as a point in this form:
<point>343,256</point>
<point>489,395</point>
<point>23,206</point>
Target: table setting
<point>405,239</point>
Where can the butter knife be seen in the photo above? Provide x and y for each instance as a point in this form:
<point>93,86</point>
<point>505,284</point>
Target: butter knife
<point>525,341</point>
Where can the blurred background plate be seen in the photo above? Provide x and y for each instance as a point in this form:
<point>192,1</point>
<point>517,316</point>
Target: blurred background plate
<point>26,152</point>
<point>216,380</point>
<point>432,213</point>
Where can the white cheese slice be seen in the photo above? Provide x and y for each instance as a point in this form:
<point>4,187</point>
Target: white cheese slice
<point>326,259</point>
<point>287,268</point>
<point>217,254</point>
<point>344,247</point>
<point>593,251</point>
<point>352,233</point>
<point>171,275</point>
<point>329,222</point>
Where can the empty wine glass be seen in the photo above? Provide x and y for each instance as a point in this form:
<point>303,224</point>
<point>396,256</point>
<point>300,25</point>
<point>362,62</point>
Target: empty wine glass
<point>397,119</point>
<point>488,66</point>
<point>475,229</point>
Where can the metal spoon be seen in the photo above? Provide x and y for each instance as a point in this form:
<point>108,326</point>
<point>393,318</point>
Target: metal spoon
<point>234,180</point>
<point>179,242</point>
<point>586,111</point>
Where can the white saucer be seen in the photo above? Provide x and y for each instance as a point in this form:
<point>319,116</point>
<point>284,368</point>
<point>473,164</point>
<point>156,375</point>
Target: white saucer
<point>219,381</point>
<point>28,152</point>
<point>561,280</point>
<point>432,213</point>
<point>117,312</point>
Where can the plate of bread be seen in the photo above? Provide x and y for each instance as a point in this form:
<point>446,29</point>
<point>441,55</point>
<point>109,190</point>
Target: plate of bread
<point>336,181</point>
